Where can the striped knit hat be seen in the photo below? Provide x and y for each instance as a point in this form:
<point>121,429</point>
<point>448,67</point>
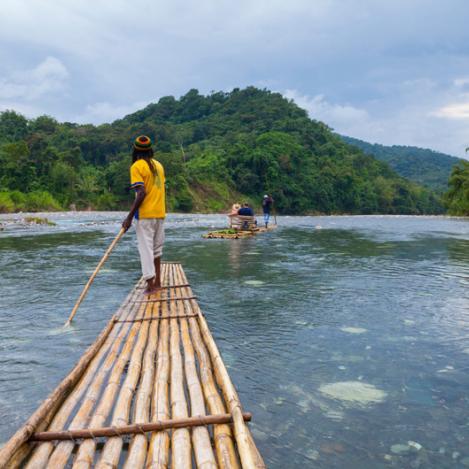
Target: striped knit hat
<point>142,143</point>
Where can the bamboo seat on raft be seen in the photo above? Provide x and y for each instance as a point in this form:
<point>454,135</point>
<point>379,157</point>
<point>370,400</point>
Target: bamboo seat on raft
<point>151,392</point>
<point>242,222</point>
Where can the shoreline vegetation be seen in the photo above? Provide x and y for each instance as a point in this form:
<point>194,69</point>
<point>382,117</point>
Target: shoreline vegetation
<point>216,149</point>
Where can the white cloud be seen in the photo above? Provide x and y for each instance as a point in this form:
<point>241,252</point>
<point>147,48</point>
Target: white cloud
<point>338,116</point>
<point>375,70</point>
<point>102,112</point>
<point>49,77</point>
<point>454,111</point>
<point>413,123</point>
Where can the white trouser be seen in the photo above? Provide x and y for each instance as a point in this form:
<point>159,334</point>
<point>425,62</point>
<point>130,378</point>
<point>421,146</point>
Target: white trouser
<point>150,239</point>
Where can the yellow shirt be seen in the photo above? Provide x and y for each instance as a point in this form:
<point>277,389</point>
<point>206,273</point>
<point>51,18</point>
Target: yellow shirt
<point>153,205</point>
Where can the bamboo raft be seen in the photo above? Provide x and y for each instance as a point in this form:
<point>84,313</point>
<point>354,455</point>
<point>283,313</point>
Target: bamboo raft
<point>151,392</point>
<point>237,234</point>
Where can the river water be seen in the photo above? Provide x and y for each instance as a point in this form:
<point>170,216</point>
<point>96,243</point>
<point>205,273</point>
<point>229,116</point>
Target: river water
<point>347,337</point>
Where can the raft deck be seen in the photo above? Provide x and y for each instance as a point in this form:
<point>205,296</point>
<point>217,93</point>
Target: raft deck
<point>236,234</point>
<point>151,392</point>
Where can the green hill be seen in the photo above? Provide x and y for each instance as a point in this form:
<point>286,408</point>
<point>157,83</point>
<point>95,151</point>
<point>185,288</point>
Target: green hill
<point>216,149</point>
<point>423,166</point>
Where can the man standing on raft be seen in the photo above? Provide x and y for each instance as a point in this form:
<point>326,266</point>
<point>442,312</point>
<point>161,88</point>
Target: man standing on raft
<point>267,202</point>
<point>149,210</point>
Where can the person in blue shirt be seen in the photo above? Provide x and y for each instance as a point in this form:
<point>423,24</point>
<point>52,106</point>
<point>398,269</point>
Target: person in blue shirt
<point>246,210</point>
<point>267,202</point>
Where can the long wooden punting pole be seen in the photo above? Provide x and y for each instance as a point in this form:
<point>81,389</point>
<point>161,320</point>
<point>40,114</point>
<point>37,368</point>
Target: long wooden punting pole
<point>93,275</point>
<point>139,428</point>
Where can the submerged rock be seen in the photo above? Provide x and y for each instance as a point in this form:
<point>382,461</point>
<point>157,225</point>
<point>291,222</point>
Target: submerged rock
<point>415,445</point>
<point>353,392</point>
<point>254,283</point>
<point>353,330</point>
<point>400,448</point>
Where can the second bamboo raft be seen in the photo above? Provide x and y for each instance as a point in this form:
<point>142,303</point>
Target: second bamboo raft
<point>154,366</point>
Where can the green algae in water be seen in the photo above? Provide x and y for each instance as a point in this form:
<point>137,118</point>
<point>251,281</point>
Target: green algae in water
<point>354,393</point>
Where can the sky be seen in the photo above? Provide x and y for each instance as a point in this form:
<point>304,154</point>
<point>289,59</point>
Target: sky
<point>391,72</point>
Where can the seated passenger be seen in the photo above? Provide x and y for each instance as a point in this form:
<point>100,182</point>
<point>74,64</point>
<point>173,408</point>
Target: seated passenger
<point>246,210</point>
<point>234,210</point>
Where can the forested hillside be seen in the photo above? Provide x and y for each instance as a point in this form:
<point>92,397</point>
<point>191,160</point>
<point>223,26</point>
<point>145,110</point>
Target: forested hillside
<point>216,149</point>
<point>423,166</point>
<point>457,197</point>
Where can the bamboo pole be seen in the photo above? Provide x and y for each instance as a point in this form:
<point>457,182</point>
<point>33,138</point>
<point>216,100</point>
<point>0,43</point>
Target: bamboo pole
<point>111,452</point>
<point>138,446</point>
<point>138,428</point>
<point>86,451</point>
<point>250,457</point>
<point>223,437</point>
<point>53,401</point>
<point>200,436</point>
<point>93,275</point>
<point>180,441</point>
<point>114,362</point>
<point>201,439</point>
<point>158,453</point>
<point>41,453</point>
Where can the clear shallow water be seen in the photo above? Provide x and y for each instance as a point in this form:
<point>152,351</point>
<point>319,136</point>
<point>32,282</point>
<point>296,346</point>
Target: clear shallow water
<point>378,302</point>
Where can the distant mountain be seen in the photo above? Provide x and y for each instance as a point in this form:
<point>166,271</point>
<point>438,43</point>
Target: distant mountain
<point>423,166</point>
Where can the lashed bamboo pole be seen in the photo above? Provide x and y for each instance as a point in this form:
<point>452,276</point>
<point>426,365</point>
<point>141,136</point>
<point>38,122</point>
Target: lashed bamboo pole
<point>222,435</point>
<point>201,439</point>
<point>41,454</point>
<point>250,457</point>
<point>93,276</point>
<point>111,452</point>
<point>180,441</point>
<point>86,451</point>
<point>200,436</point>
<point>138,428</point>
<point>113,447</point>
<point>138,447</point>
<point>45,412</point>
<point>158,454</point>
<point>115,362</point>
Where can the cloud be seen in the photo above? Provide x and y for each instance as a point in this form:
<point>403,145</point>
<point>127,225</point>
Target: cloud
<point>339,116</point>
<point>454,111</point>
<point>22,88</point>
<point>414,123</point>
<point>361,64</point>
<point>103,112</point>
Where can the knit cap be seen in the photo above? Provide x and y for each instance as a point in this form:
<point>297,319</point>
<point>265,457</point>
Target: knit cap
<point>142,143</point>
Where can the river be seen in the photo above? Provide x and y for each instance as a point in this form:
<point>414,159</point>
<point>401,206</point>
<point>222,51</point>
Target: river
<point>346,337</point>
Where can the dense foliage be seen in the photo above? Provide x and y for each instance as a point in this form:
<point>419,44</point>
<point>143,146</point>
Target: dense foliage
<point>423,166</point>
<point>457,197</point>
<point>216,149</point>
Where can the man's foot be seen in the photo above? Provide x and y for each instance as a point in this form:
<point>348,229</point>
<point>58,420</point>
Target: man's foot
<point>152,287</point>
